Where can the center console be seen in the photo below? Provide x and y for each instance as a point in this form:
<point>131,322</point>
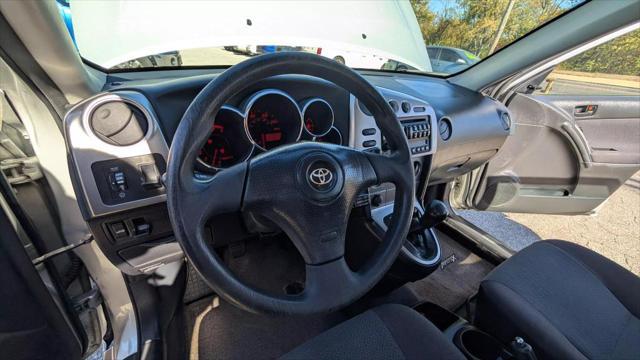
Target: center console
<point>420,254</point>
<point>474,343</point>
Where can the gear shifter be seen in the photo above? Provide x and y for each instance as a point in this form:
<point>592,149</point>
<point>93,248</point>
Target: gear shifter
<point>420,240</point>
<point>436,213</point>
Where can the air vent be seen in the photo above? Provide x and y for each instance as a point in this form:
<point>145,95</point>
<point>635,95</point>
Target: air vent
<point>119,123</point>
<point>444,128</point>
<point>406,107</point>
<point>364,108</point>
<point>394,105</point>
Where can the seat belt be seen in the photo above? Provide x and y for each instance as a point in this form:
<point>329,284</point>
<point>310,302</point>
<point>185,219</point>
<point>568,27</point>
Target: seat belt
<point>20,169</point>
<point>17,166</point>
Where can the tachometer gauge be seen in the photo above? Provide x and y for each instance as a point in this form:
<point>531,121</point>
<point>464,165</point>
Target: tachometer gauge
<point>318,117</point>
<point>273,119</point>
<point>228,144</point>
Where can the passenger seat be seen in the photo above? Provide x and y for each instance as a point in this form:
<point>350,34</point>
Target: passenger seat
<point>567,301</point>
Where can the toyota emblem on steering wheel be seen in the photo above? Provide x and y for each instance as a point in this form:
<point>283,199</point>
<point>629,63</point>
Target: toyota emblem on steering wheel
<point>321,176</point>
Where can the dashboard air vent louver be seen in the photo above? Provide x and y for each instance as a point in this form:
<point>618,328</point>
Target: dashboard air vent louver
<point>119,123</point>
<point>364,109</point>
<point>444,128</point>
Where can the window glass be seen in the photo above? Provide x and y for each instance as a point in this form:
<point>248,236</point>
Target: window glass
<point>448,55</point>
<point>433,53</point>
<point>612,68</point>
<point>479,28</point>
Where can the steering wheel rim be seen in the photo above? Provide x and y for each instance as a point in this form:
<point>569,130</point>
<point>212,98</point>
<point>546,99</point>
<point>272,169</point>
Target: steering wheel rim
<point>330,284</point>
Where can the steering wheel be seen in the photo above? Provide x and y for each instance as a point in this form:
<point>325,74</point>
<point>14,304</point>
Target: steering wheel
<point>307,189</point>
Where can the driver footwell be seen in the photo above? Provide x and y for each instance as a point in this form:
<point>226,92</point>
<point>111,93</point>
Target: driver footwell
<point>218,330</point>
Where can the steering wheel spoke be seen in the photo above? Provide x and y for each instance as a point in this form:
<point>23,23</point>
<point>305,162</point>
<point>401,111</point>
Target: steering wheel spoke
<point>387,168</point>
<point>332,279</point>
<point>205,198</point>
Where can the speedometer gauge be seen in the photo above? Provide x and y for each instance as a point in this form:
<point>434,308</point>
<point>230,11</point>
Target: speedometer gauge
<point>265,130</point>
<point>273,119</point>
<point>228,144</point>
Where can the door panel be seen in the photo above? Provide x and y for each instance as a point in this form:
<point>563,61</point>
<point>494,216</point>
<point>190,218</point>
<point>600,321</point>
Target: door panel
<point>559,160</point>
<point>612,131</point>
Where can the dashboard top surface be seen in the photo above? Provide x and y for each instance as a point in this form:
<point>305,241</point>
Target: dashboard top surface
<point>444,96</point>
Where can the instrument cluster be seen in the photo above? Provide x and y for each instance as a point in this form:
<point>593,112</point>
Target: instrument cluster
<point>266,120</point>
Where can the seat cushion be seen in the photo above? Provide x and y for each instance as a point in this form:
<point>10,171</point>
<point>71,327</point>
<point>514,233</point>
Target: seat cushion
<point>565,300</point>
<point>386,332</point>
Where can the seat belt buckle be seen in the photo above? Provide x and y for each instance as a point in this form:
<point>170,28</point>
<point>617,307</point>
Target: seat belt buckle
<point>21,170</point>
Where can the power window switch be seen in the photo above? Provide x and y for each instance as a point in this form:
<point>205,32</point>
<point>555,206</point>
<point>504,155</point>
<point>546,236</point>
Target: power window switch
<point>118,230</point>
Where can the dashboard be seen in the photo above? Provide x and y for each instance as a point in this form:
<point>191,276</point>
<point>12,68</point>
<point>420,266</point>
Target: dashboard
<point>118,142</point>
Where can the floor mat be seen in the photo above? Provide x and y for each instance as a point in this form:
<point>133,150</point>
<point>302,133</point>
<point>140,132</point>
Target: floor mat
<point>219,330</point>
<point>457,278</point>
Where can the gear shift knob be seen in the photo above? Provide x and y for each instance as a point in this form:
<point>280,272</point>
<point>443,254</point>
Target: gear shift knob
<point>435,213</point>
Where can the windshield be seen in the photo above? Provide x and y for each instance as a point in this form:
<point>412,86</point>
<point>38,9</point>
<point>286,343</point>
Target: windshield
<point>429,36</point>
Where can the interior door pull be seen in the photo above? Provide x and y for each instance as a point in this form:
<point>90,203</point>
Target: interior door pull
<point>585,110</point>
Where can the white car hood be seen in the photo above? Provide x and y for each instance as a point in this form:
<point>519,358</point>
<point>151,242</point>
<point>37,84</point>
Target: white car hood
<point>112,32</point>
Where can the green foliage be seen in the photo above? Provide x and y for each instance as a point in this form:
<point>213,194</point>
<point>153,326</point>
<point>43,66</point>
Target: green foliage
<point>472,25</point>
<point>620,56</point>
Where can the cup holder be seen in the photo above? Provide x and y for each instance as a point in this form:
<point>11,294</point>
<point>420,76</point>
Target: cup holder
<point>478,345</point>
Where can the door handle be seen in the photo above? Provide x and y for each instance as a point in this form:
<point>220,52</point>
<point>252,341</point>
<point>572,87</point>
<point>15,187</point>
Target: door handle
<point>585,110</point>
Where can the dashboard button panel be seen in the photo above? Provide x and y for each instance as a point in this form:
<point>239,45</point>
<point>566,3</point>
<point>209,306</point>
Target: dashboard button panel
<point>128,179</point>
<point>369,143</point>
<point>118,230</point>
<point>418,133</point>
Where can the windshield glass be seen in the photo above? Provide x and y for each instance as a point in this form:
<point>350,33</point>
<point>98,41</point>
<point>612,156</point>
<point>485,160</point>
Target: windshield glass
<point>430,36</point>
